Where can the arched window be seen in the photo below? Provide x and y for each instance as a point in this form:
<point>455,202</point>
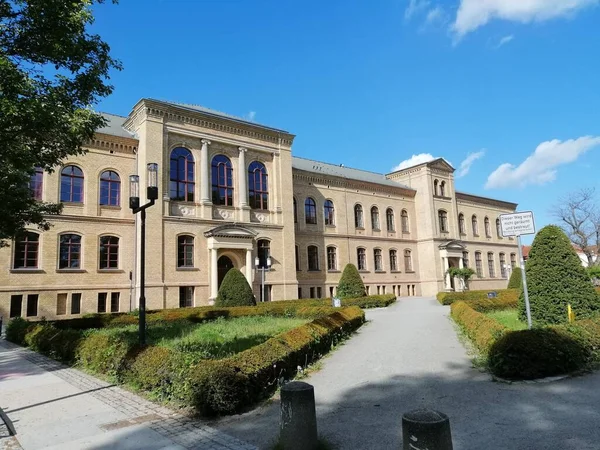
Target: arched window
<point>393,260</point>
<point>443,219</point>
<point>264,251</point>
<point>71,185</point>
<point>478,265</point>
<point>185,251</point>
<point>310,211</point>
<point>329,213</point>
<point>69,256</point>
<point>359,220</point>
<point>375,218</point>
<point>26,251</point>
<point>465,256</point>
<point>110,188</point>
<point>435,187</point>
<point>378,259</point>
<point>443,189</point>
<point>486,224</point>
<point>491,265</point>
<point>258,187</point>
<point>461,224</point>
<point>295,211</point>
<point>407,261</point>
<point>331,258</point>
<point>361,257</point>
<point>503,267</point>
<point>498,229</point>
<point>181,184</point>
<point>222,181</point>
<point>404,220</point>
<point>475,225</point>
<point>389,218</point>
<point>36,183</point>
<point>109,252</point>
<point>313,257</point>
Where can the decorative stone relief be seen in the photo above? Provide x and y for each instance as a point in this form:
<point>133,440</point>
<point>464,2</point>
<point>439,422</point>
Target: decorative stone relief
<point>260,217</point>
<point>183,210</point>
<point>224,214</point>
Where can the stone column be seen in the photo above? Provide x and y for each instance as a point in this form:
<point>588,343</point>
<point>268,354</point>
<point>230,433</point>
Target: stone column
<point>242,177</point>
<point>445,267</point>
<point>249,266</point>
<point>214,274</point>
<point>204,172</point>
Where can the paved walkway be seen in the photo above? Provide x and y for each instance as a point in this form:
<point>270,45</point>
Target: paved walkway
<point>409,356</point>
<point>52,406</point>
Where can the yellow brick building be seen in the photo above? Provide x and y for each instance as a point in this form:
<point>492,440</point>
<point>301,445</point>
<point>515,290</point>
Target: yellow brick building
<point>230,191</point>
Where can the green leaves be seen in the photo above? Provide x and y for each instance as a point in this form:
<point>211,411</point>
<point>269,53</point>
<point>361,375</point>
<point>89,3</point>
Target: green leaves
<point>350,285</point>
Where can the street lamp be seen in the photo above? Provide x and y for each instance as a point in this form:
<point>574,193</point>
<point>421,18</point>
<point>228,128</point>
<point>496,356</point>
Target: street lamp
<point>263,269</point>
<point>134,204</point>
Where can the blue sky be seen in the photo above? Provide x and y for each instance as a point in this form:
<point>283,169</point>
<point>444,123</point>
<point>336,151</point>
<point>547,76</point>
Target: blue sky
<point>370,84</point>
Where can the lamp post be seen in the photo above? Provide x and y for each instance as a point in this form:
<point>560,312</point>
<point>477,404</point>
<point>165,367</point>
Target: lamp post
<point>263,269</point>
<point>134,204</point>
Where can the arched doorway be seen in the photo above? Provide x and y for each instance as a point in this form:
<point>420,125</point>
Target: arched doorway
<point>223,265</point>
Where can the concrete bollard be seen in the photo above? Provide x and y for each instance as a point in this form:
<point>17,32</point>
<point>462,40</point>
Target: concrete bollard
<point>298,424</point>
<point>425,429</point>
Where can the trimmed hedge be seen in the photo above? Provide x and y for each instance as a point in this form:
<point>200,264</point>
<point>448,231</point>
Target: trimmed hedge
<point>516,279</point>
<point>509,296</point>
<point>235,290</point>
<point>481,329</point>
<point>351,284</point>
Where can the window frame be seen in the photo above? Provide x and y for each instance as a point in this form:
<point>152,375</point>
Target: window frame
<point>72,177</point>
<point>408,265</point>
<point>478,265</point>
<point>375,220</point>
<point>222,181</point>
<point>310,211</point>
<point>110,246</point>
<point>70,249</point>
<point>405,223</point>
<point>331,258</point>
<point>443,221</point>
<point>390,220</point>
<point>487,227</point>
<point>24,241</point>
<point>361,259</point>
<point>491,265</point>
<point>187,182</point>
<point>329,213</point>
<point>378,260</point>
<point>182,251</point>
<point>263,251</point>
<point>393,254</point>
<point>312,260</point>
<point>36,184</point>
<point>461,224</point>
<point>258,169</point>
<point>465,258</point>
<point>359,217</point>
<point>107,184</point>
<point>498,229</point>
<point>503,271</point>
<point>474,225</point>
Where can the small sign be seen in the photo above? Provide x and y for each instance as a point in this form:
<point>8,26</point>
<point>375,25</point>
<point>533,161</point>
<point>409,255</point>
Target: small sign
<point>337,303</point>
<point>492,294</point>
<point>517,224</point>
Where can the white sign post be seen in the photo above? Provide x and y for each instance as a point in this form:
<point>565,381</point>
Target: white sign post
<point>517,224</point>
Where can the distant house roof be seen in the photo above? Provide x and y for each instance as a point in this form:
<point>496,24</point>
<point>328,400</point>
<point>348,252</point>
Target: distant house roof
<point>114,126</point>
<point>526,249</point>
<point>309,165</point>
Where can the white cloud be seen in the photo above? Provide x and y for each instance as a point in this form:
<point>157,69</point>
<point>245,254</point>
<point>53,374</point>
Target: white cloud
<point>541,167</point>
<point>414,161</point>
<point>465,166</point>
<point>250,116</point>
<point>435,15</point>
<point>473,14</point>
<point>505,40</point>
<point>415,7</point>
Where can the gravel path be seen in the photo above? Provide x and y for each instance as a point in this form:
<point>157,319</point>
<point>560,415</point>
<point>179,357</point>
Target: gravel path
<point>408,356</point>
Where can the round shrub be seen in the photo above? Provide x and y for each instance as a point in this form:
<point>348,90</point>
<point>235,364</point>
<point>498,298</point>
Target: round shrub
<point>555,278</point>
<point>351,284</point>
<point>536,353</point>
<point>516,279</point>
<point>235,290</point>
<point>16,330</point>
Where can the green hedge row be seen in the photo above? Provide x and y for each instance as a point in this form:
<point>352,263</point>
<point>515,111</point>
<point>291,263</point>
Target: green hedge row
<point>481,329</point>
<point>509,296</point>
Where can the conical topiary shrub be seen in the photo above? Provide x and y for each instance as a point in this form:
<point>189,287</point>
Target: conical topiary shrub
<point>351,284</point>
<point>235,290</point>
<point>516,279</point>
<point>555,278</point>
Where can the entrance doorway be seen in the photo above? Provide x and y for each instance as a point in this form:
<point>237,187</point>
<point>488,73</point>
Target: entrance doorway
<point>224,264</point>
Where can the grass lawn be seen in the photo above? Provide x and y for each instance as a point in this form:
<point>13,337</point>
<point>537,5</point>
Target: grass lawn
<point>509,318</point>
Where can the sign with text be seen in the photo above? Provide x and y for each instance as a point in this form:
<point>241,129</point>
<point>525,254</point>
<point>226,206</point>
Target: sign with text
<point>517,224</point>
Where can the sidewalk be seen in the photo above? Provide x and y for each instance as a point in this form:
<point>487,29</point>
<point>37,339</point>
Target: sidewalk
<point>52,406</point>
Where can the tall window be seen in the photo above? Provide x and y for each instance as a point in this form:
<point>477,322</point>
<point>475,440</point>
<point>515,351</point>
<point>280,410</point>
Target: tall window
<point>404,217</point>
<point>491,265</point>
<point>110,188</point>
<point>181,184</point>
<point>478,265</point>
<point>378,259</point>
<point>76,303</point>
<point>222,181</point>
<point>26,251</point>
<point>389,218</point>
<point>407,261</point>
<point>186,296</point>
<point>36,183</point>
<point>513,261</point>
<point>258,187</point>
<point>16,305</point>
<point>295,211</point>
<point>32,305</point>
<point>313,257</point>
<point>443,189</point>
<point>498,229</point>
<point>109,252</point>
<point>393,260</point>
<point>71,185</point>
<point>310,211</point>
<point>465,257</point>
<point>375,218</point>
<point>185,251</point>
<point>435,187</point>
<point>461,224</point>
<point>70,251</point>
<point>114,301</point>
<point>361,256</point>
<point>474,225</point>
<point>488,231</point>
<point>331,258</point>
<point>102,301</point>
<point>503,265</point>
<point>443,219</point>
<point>297,259</point>
<point>264,251</point>
<point>329,212</point>
<point>359,220</point>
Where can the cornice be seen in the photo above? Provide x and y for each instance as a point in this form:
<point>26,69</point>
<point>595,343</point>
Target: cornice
<point>70,218</point>
<point>359,237</point>
<point>476,200</point>
<point>102,141</point>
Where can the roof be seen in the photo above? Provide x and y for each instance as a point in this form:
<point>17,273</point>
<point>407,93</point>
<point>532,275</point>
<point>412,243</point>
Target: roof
<point>215,113</point>
<point>526,249</point>
<point>309,165</point>
<point>114,126</point>
<point>511,204</point>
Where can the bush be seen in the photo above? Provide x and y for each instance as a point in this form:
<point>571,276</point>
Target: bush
<point>509,296</point>
<point>351,284</point>
<point>106,353</point>
<point>481,329</point>
<point>516,279</point>
<point>235,290</point>
<point>555,278</point>
<point>45,338</point>
<point>537,353</point>
<point>16,329</point>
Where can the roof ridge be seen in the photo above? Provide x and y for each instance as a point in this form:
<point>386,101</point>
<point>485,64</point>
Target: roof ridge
<point>342,166</point>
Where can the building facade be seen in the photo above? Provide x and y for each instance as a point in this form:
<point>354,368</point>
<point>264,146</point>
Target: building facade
<point>230,194</point>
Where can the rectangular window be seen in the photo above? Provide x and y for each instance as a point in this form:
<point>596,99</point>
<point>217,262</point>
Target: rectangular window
<point>362,259</point>
<point>383,290</point>
<point>185,251</point>
<point>109,252</point>
<point>393,260</point>
<point>16,305</point>
<point>102,302</point>
<point>313,257</point>
<point>299,292</point>
<point>466,259</point>
<point>186,296</point>
<point>331,258</point>
<point>478,265</point>
<point>32,305</point>
<point>331,294</point>
<point>368,290</point>
<point>378,259</point>
<point>267,293</point>
<point>312,292</point>
<point>75,303</point>
<point>408,290</point>
<point>503,266</point>
<point>491,266</point>
<point>114,301</point>
<point>297,260</point>
<point>378,290</point>
<point>61,304</point>
<point>318,292</point>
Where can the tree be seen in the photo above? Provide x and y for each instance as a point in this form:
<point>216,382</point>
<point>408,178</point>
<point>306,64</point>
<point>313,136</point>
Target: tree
<point>516,279</point>
<point>579,216</point>
<point>235,290</point>
<point>463,274</point>
<point>51,72</point>
<point>555,278</point>
<point>351,284</point>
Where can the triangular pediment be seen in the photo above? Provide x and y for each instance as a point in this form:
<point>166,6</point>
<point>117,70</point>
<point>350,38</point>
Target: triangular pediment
<point>453,245</point>
<point>441,164</point>
<point>231,230</point>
